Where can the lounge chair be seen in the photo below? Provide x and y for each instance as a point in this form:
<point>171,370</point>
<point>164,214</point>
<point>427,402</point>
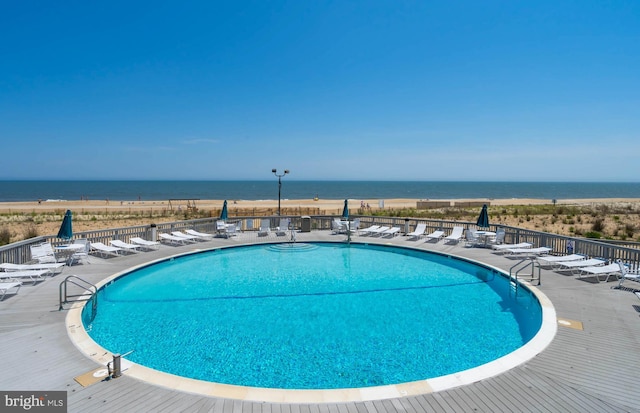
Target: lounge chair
<point>105,250</point>
<point>435,235</point>
<point>53,268</point>
<point>574,266</point>
<point>553,260</point>
<point>187,237</point>
<point>529,251</point>
<point>378,230</point>
<point>43,253</point>
<point>370,229</point>
<point>125,246</point>
<point>504,247</point>
<point>32,275</point>
<point>391,232</point>
<point>150,245</point>
<point>283,227</point>
<point>421,228</point>
<point>198,234</point>
<point>627,274</point>
<point>172,239</point>
<point>455,236</point>
<point>6,287</point>
<point>598,270</point>
<point>265,228</point>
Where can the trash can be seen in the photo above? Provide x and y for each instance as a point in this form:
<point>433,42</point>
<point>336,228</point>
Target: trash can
<point>305,224</point>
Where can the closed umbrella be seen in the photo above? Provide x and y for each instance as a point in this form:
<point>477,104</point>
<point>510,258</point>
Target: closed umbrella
<point>345,210</point>
<point>483,219</point>
<point>224,214</point>
<point>66,232</point>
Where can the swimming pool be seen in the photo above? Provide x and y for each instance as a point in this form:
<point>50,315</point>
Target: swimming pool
<point>345,317</point>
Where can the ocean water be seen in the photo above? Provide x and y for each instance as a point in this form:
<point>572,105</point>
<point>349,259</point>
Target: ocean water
<point>291,189</point>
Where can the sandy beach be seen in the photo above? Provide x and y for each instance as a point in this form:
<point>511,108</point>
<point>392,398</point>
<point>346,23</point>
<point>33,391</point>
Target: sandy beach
<point>322,204</point>
<point>20,220</point>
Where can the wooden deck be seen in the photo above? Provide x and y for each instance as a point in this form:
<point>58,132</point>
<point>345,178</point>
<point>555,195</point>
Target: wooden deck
<point>593,369</point>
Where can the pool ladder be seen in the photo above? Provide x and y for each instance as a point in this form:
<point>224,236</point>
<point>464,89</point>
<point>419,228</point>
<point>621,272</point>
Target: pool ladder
<point>527,263</point>
<point>90,293</point>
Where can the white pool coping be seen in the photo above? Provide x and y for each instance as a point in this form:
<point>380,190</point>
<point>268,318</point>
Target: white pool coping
<point>535,346</point>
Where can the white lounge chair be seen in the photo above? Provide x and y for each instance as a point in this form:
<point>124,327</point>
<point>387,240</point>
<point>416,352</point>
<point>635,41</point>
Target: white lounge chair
<point>435,235</point>
<point>598,270</point>
<point>455,236</point>
<point>378,230</point>
<point>504,247</point>
<point>529,251</point>
<point>283,227</point>
<point>553,260</point>
<point>198,234</point>
<point>421,228</point>
<point>187,237</point>
<point>53,268</point>
<point>574,266</point>
<point>43,253</point>
<point>265,227</point>
<point>105,250</point>
<point>125,246</point>
<point>369,230</point>
<point>391,232</point>
<point>627,274</point>
<point>32,275</point>
<point>150,245</point>
<point>7,287</point>
<point>172,239</point>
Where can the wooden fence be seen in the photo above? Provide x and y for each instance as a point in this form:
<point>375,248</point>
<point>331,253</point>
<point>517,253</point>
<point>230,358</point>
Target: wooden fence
<point>19,252</point>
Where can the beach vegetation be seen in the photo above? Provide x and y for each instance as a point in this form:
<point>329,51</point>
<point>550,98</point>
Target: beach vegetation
<point>629,230</point>
<point>593,234</point>
<point>598,225</point>
<point>5,236</point>
<point>31,232</point>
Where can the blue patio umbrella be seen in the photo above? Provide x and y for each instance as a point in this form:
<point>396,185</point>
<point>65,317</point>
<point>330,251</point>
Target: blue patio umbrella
<point>345,210</point>
<point>66,232</point>
<point>224,214</point>
<point>483,219</point>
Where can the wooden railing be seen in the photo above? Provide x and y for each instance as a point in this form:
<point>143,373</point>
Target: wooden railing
<point>19,252</point>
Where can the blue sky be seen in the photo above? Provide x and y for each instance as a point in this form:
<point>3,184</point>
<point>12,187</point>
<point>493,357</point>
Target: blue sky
<point>392,90</point>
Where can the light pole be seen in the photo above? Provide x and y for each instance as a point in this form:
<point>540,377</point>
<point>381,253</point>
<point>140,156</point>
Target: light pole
<point>275,172</point>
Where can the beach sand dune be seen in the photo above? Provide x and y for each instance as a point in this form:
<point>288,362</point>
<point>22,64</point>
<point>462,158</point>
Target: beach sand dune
<point>322,204</point>
<point>27,219</point>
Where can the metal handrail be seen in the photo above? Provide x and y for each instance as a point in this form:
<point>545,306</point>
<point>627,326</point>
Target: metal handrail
<point>87,286</point>
<point>515,270</point>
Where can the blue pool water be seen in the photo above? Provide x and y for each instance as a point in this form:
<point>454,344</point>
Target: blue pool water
<point>329,316</point>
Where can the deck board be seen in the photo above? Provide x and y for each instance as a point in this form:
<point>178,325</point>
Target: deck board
<point>594,369</point>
